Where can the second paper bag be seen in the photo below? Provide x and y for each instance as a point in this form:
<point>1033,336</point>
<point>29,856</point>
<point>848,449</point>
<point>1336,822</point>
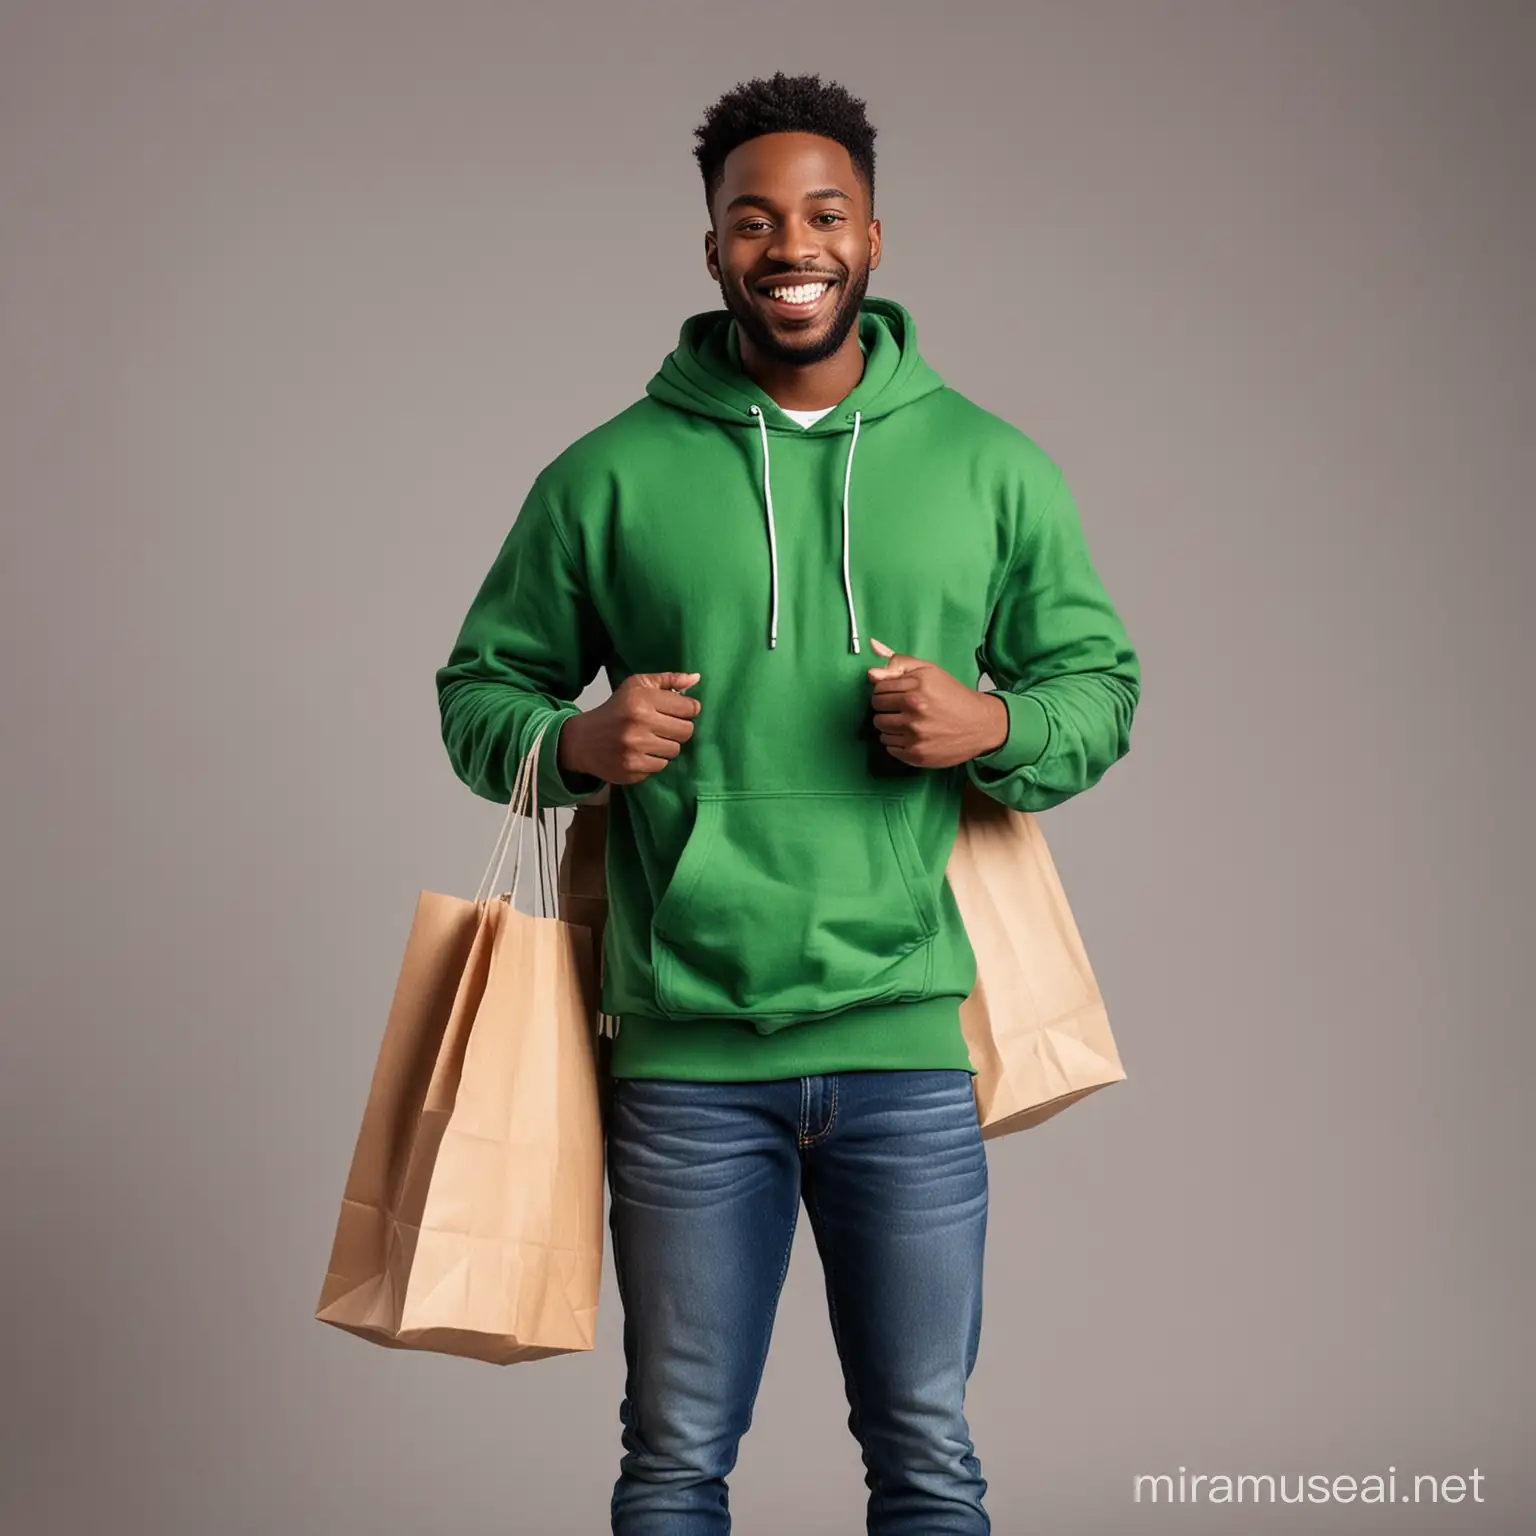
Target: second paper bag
<point>1035,1022</point>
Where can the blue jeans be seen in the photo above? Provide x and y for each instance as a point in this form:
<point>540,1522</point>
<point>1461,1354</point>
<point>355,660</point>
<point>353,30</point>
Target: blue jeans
<point>706,1182</point>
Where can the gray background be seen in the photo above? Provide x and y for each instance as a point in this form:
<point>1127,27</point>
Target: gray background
<point>294,301</point>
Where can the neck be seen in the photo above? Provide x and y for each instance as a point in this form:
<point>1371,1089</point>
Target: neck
<point>804,386</point>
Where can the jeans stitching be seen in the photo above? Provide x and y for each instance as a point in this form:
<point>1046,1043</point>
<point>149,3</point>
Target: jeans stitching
<point>631,1421</point>
<point>806,1139</point>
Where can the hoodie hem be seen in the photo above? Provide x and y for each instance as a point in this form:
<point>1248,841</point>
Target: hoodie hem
<point>924,1035</point>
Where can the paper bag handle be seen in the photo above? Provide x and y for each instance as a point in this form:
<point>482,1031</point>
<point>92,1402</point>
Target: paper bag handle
<point>525,796</point>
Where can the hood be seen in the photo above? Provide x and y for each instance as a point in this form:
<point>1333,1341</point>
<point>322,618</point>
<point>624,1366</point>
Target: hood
<point>703,373</point>
<point>703,376</point>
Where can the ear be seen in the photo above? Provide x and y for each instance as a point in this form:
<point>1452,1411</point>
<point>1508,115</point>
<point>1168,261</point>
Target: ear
<point>874,244</point>
<point>711,255</point>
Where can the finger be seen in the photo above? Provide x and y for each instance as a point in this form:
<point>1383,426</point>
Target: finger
<point>670,728</point>
<point>897,666</point>
<point>669,679</point>
<point>678,704</point>
<point>879,647</point>
<point>658,753</point>
<point>905,682</point>
<point>890,703</point>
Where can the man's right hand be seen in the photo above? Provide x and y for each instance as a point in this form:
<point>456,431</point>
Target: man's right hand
<point>633,734</point>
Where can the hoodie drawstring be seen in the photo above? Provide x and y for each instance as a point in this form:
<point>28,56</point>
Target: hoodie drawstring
<point>773,542</point>
<point>853,618</point>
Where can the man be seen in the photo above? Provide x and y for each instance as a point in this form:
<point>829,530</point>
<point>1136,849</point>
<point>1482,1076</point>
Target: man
<point>783,955</point>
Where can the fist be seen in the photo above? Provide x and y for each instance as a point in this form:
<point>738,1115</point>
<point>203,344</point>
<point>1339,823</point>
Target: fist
<point>634,733</point>
<point>927,717</point>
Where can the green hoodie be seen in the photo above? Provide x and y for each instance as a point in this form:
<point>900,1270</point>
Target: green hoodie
<point>777,900</point>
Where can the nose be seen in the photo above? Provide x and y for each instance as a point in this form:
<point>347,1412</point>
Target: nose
<point>794,246</point>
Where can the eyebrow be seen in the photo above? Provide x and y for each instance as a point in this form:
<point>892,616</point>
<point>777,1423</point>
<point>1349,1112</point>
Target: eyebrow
<point>763,201</point>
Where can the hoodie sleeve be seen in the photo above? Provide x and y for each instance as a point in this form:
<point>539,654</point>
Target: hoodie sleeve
<point>1062,664</point>
<point>529,645</point>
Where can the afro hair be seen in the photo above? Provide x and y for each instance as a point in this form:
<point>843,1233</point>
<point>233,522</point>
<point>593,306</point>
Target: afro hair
<point>784,104</point>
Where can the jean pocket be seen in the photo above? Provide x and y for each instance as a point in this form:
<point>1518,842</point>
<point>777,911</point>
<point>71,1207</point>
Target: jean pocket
<point>786,904</point>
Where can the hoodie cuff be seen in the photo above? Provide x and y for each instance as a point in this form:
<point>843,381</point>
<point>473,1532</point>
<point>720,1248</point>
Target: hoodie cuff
<point>557,787</point>
<point>1029,732</point>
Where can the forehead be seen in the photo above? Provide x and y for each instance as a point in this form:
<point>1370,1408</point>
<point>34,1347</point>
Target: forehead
<point>784,167</point>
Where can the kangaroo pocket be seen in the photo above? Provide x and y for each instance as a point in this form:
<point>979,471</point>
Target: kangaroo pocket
<point>787,904</point>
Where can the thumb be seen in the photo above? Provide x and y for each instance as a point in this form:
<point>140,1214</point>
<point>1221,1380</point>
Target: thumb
<point>896,663</point>
<point>677,681</point>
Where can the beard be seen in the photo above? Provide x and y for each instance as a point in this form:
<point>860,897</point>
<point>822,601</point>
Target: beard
<point>789,349</point>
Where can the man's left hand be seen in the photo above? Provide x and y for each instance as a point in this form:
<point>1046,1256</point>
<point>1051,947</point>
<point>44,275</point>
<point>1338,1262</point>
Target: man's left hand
<point>927,717</point>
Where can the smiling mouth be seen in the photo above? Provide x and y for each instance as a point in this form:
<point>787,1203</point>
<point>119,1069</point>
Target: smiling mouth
<point>798,299</point>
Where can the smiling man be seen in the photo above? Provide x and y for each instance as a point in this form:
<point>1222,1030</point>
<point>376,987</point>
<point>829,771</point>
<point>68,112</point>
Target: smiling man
<point>783,958</point>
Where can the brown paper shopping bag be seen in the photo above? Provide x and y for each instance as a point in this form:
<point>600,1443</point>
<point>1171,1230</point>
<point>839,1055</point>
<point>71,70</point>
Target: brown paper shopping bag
<point>1035,1022</point>
<point>472,1222</point>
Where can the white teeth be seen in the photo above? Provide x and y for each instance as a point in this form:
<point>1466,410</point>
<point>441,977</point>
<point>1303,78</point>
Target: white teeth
<point>805,293</point>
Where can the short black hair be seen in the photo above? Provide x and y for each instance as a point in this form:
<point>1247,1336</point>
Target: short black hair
<point>784,104</point>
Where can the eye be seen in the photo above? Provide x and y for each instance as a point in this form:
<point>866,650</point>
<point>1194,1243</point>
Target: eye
<point>836,218</point>
<point>750,224</point>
